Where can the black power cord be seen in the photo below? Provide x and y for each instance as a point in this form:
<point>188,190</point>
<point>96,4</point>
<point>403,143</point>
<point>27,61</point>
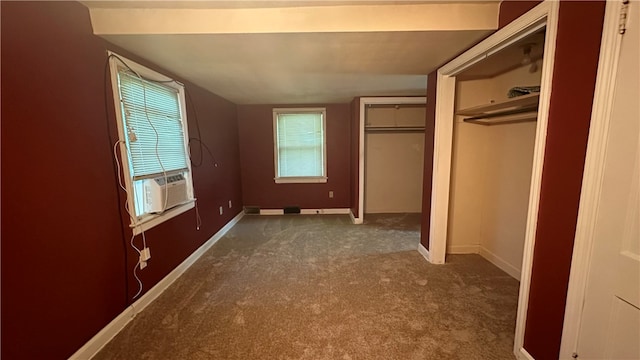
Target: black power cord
<point>117,182</point>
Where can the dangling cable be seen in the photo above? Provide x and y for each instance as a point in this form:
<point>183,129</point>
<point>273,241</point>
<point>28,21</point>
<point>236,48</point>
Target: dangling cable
<point>135,268</point>
<point>198,219</point>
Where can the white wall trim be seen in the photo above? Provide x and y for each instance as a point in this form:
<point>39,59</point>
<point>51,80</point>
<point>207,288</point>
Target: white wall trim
<point>592,178</point>
<point>499,262</point>
<point>546,13</point>
<point>361,153</point>
<point>424,252</point>
<point>325,211</point>
<point>98,341</point>
<point>523,354</point>
<point>271,212</point>
<point>463,249</point>
<point>354,219</point>
<point>335,211</point>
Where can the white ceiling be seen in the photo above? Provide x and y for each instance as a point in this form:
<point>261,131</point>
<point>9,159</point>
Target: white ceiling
<point>295,52</point>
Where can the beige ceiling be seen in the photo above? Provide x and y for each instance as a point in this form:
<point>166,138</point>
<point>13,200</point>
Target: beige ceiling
<point>295,52</point>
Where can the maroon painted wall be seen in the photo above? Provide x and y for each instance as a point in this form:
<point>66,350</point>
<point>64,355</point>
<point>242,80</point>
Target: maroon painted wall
<point>355,156</point>
<point>63,240</point>
<point>512,9</point>
<point>255,123</point>
<point>429,129</point>
<point>579,32</point>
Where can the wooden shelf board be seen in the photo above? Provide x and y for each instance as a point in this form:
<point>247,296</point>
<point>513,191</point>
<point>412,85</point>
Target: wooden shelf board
<point>525,101</point>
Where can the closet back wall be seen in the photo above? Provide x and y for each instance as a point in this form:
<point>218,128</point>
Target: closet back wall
<point>394,161</point>
<point>255,124</point>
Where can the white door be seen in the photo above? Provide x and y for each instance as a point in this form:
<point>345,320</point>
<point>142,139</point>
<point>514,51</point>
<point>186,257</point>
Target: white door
<point>610,326</point>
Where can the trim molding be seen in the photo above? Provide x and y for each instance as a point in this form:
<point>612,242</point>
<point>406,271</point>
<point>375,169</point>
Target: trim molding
<point>503,265</point>
<point>336,211</point>
<point>592,178</point>
<point>463,249</point>
<point>98,341</point>
<point>354,219</point>
<point>339,211</point>
<point>271,212</point>
<point>523,354</point>
<point>424,252</point>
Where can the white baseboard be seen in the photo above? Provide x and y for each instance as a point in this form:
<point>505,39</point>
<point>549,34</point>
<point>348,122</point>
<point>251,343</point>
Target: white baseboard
<point>308,211</point>
<point>424,252</point>
<point>524,355</point>
<point>500,263</point>
<point>271,212</point>
<point>354,219</point>
<point>463,249</point>
<point>325,211</point>
<point>98,341</point>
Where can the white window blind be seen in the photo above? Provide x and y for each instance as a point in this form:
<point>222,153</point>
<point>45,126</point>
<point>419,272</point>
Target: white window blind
<point>300,145</point>
<point>153,122</point>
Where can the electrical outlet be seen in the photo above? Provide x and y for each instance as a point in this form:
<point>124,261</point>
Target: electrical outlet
<point>145,254</point>
<point>230,205</point>
<point>330,194</point>
<point>143,264</point>
<point>221,210</point>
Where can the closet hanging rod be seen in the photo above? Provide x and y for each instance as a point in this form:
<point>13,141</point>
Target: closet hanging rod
<point>531,115</point>
<point>394,129</point>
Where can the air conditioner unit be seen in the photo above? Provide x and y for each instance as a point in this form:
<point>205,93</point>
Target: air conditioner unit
<point>161,195</point>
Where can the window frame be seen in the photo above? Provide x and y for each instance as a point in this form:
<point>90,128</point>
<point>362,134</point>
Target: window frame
<point>147,221</point>
<point>276,154</point>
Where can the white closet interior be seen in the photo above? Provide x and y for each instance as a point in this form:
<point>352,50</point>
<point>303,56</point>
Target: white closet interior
<point>394,148</point>
<point>493,145</point>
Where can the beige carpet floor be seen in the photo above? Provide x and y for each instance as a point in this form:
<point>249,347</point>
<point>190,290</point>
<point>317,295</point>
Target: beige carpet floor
<point>318,287</point>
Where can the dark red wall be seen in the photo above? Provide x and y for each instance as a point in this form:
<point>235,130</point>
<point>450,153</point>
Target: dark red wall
<point>512,9</point>
<point>429,129</point>
<point>255,123</point>
<point>579,32</point>
<point>355,156</point>
<point>63,240</point>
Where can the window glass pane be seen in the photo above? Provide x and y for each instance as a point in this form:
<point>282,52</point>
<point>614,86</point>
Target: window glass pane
<point>300,145</point>
<point>153,124</point>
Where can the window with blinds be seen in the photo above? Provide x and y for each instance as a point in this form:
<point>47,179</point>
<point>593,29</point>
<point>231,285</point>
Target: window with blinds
<point>300,152</point>
<point>153,140</point>
<point>153,122</point>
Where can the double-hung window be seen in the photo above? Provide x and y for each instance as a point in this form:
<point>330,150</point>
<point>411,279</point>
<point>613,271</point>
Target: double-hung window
<point>153,143</point>
<point>300,149</point>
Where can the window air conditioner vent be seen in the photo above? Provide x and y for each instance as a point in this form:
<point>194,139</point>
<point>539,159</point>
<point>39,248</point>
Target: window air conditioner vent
<point>159,196</point>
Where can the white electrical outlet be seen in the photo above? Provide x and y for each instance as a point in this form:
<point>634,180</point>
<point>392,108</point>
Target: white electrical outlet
<point>331,194</point>
<point>230,204</point>
<point>221,210</point>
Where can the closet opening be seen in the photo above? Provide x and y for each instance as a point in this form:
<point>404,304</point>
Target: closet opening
<point>494,135</point>
<point>391,157</point>
<point>394,158</point>
<point>451,111</point>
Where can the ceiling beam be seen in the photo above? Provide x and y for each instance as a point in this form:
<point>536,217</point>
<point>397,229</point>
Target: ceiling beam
<point>307,19</point>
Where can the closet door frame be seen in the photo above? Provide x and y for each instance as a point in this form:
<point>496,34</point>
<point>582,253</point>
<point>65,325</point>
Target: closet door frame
<point>543,15</point>
<point>364,101</point>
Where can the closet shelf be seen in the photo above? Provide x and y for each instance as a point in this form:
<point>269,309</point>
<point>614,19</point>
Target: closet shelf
<point>394,128</point>
<point>518,109</point>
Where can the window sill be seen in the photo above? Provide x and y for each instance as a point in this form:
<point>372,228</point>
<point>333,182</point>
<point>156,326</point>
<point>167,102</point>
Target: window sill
<point>301,180</point>
<point>157,219</point>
